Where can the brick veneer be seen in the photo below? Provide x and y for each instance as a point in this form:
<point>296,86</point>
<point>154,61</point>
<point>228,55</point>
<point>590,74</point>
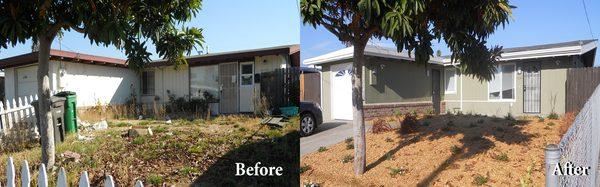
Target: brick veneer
<point>381,110</point>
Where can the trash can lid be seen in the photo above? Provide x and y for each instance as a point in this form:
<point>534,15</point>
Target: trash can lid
<point>64,93</point>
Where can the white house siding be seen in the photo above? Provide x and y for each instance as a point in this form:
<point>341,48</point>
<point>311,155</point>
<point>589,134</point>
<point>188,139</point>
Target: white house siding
<point>169,79</point>
<point>93,84</point>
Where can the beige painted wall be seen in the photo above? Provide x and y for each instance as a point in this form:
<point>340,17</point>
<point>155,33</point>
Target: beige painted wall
<point>553,80</point>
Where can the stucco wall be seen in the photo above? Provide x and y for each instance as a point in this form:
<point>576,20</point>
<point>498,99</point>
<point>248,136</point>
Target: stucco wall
<point>93,84</point>
<point>396,81</point>
<point>169,79</point>
<point>553,82</point>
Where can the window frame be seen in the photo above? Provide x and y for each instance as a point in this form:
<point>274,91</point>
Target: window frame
<point>153,92</point>
<point>501,99</point>
<point>455,77</point>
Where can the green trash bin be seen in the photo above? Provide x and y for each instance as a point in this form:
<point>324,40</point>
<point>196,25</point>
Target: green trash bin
<point>70,111</point>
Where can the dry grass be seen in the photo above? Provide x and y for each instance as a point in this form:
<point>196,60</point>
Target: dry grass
<point>449,151</point>
<point>177,154</point>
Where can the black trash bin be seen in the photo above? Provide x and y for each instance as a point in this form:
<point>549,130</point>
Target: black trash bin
<point>57,111</point>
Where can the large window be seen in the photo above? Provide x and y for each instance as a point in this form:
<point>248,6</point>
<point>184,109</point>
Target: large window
<point>450,80</point>
<point>148,83</point>
<point>502,86</point>
<point>204,79</point>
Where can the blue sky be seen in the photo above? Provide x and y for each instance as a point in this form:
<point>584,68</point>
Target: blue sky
<point>535,22</point>
<point>228,25</point>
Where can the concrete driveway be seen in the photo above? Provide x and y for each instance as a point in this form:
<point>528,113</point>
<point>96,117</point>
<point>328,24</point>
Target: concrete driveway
<point>327,134</point>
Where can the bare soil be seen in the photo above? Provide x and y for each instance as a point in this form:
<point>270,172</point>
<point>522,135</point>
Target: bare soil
<point>496,151</point>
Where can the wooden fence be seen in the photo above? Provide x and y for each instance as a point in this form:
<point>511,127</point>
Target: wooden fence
<point>281,87</point>
<point>42,178</point>
<point>581,83</point>
<point>310,87</point>
<point>17,112</point>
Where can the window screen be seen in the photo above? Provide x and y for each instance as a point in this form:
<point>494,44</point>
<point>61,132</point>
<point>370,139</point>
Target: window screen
<point>450,80</point>
<point>148,83</point>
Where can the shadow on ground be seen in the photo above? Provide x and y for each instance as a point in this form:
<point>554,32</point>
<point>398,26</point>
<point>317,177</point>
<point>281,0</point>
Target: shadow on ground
<point>329,125</point>
<point>473,128</point>
<point>282,151</point>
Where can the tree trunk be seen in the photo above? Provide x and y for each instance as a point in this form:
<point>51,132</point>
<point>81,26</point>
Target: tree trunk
<point>43,84</point>
<point>358,121</point>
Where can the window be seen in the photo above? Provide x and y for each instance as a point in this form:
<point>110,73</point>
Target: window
<point>148,83</point>
<point>204,79</point>
<point>247,74</point>
<point>450,80</point>
<point>502,86</point>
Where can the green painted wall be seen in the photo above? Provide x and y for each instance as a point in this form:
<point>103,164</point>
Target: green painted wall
<point>553,82</point>
<point>394,81</point>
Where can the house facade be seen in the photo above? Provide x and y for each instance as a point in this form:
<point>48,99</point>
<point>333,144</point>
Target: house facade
<point>231,77</point>
<point>529,81</point>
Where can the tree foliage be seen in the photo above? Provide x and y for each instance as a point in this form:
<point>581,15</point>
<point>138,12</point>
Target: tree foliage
<point>464,25</point>
<point>128,25</point>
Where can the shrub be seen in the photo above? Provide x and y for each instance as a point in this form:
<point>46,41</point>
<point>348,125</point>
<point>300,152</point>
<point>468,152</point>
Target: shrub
<point>139,140</point>
<point>188,170</point>
<point>501,157</point>
<point>349,140</point>
<point>455,149</point>
<point>509,117</point>
<point>242,129</point>
<point>389,156</point>
<point>550,124</point>
<point>347,159</point>
<point>540,119</point>
<point>349,146</point>
<point>304,168</point>
<point>380,126</point>
<point>155,179</point>
<point>479,180</point>
<point>426,123</point>
<point>322,149</point>
<point>552,116</point>
<point>397,171</point>
<point>409,124</point>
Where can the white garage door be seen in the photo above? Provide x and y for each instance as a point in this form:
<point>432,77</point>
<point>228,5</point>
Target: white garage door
<point>26,81</point>
<point>341,91</point>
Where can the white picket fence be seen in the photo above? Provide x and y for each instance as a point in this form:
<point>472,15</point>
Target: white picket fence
<point>42,178</point>
<point>17,112</point>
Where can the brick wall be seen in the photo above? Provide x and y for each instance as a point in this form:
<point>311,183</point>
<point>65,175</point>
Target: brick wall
<point>382,110</point>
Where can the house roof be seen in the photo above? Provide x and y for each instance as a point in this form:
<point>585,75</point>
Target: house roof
<point>240,55</point>
<point>370,50</point>
<point>578,47</point>
<point>32,58</point>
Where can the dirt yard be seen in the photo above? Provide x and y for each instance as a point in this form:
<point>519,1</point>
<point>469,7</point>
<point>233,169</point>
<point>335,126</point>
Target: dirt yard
<point>446,150</point>
<point>199,152</point>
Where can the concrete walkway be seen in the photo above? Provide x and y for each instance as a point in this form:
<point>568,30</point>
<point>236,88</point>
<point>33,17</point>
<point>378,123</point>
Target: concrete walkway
<point>327,134</point>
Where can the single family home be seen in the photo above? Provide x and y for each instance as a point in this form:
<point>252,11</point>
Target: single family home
<point>528,81</point>
<point>231,77</point>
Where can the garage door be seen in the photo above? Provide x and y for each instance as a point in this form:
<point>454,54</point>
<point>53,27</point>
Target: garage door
<point>26,81</point>
<point>341,91</point>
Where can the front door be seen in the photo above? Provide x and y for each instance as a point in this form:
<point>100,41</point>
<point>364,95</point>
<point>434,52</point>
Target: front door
<point>531,88</point>
<point>246,87</point>
<point>341,91</point>
<point>435,90</point>
<point>228,100</point>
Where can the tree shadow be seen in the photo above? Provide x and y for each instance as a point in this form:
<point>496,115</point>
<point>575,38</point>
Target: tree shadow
<point>476,130</point>
<point>282,151</point>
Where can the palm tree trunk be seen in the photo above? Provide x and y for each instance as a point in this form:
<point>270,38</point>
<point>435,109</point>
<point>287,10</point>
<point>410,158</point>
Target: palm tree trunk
<point>43,84</point>
<point>358,121</point>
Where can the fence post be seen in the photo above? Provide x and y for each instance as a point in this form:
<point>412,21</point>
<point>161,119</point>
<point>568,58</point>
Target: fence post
<point>25,177</point>
<point>10,173</point>
<point>552,157</point>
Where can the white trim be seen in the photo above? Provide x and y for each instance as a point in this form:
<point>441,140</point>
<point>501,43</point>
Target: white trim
<point>577,49</point>
<point>479,101</point>
<point>445,89</point>
<point>498,67</point>
<point>370,50</point>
